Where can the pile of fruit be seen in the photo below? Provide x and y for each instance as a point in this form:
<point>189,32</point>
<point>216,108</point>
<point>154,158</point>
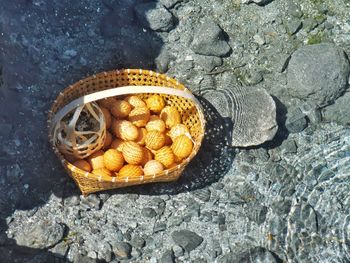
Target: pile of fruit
<point>144,137</point>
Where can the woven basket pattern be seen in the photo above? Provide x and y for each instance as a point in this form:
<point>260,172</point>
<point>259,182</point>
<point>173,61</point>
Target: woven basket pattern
<point>191,117</point>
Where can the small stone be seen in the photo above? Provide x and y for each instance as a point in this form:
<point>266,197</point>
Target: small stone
<point>188,240</point>
<point>72,201</point>
<point>154,16</point>
<point>159,226</point>
<point>253,78</point>
<point>209,40</point>
<point>104,251</point>
<point>339,111</point>
<point>258,2</point>
<point>175,221</point>
<point>257,213</point>
<point>293,26</point>
<point>43,235</point>
<point>122,250</point>
<point>178,251</point>
<point>208,63</point>
<point>289,146</point>
<point>90,202</point>
<point>70,53</point>
<point>296,121</point>
<point>259,39</point>
<point>92,254</point>
<point>168,257</point>
<point>162,61</point>
<point>202,194</point>
<point>148,212</point>
<point>137,242</point>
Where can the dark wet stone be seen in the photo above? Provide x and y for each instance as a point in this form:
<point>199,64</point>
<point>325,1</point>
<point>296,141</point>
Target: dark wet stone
<point>148,212</point>
<point>168,257</point>
<point>296,121</point>
<point>188,240</point>
<point>122,250</point>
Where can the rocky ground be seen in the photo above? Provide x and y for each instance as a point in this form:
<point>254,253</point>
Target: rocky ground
<point>286,200</point>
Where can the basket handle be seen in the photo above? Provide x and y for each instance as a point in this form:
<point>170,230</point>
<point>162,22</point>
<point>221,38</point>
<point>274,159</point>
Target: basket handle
<point>117,92</point>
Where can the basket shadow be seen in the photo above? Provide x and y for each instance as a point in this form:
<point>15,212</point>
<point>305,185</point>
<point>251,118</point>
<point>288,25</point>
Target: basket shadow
<point>211,163</point>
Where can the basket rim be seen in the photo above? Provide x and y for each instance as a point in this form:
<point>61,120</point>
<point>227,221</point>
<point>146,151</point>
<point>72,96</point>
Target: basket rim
<point>115,179</point>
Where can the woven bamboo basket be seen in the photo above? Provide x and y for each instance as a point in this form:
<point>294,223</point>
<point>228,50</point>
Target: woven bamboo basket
<point>121,83</point>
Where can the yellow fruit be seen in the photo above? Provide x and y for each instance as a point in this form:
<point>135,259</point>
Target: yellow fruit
<point>155,103</point>
<point>108,140</point>
<point>113,160</point>
<point>107,102</point>
<point>147,156</point>
<point>155,124</point>
<point>96,160</point>
<point>120,109</point>
<point>133,153</point>
<point>170,116</point>
<point>141,139</point>
<point>139,116</point>
<point>108,117</point>
<point>135,101</point>
<point>165,155</point>
<point>102,172</point>
<point>130,170</point>
<point>182,146</point>
<point>83,165</point>
<point>177,130</point>
<point>155,140</point>
<point>125,130</point>
<point>153,167</point>
<point>117,144</point>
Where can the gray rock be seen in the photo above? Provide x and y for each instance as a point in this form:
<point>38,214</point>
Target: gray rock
<point>339,111</point>
<point>209,40</point>
<point>318,73</point>
<point>257,213</point>
<point>168,257</point>
<point>43,235</point>
<point>104,251</point>
<point>258,2</point>
<point>252,110</point>
<point>296,121</point>
<point>92,201</point>
<point>188,240</point>
<point>159,226</point>
<point>202,194</point>
<point>69,53</point>
<point>289,146</point>
<point>122,250</point>
<point>257,254</point>
<point>208,63</point>
<point>178,251</point>
<point>293,26</point>
<point>154,16</point>
<point>148,212</point>
<point>137,242</point>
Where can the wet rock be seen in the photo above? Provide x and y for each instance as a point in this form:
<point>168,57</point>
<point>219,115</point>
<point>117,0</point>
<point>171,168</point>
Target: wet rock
<point>257,213</point>
<point>137,241</point>
<point>168,257</point>
<point>92,201</point>
<point>293,26</point>
<point>252,110</point>
<point>258,2</point>
<point>104,251</point>
<point>148,212</point>
<point>318,73</point>
<point>178,251</point>
<point>42,235</point>
<point>289,146</point>
<point>296,121</point>
<point>209,40</point>
<point>339,111</point>
<point>208,63</point>
<point>122,250</point>
<point>257,254</point>
<point>159,226</point>
<point>202,194</point>
<point>188,240</point>
<point>154,16</point>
